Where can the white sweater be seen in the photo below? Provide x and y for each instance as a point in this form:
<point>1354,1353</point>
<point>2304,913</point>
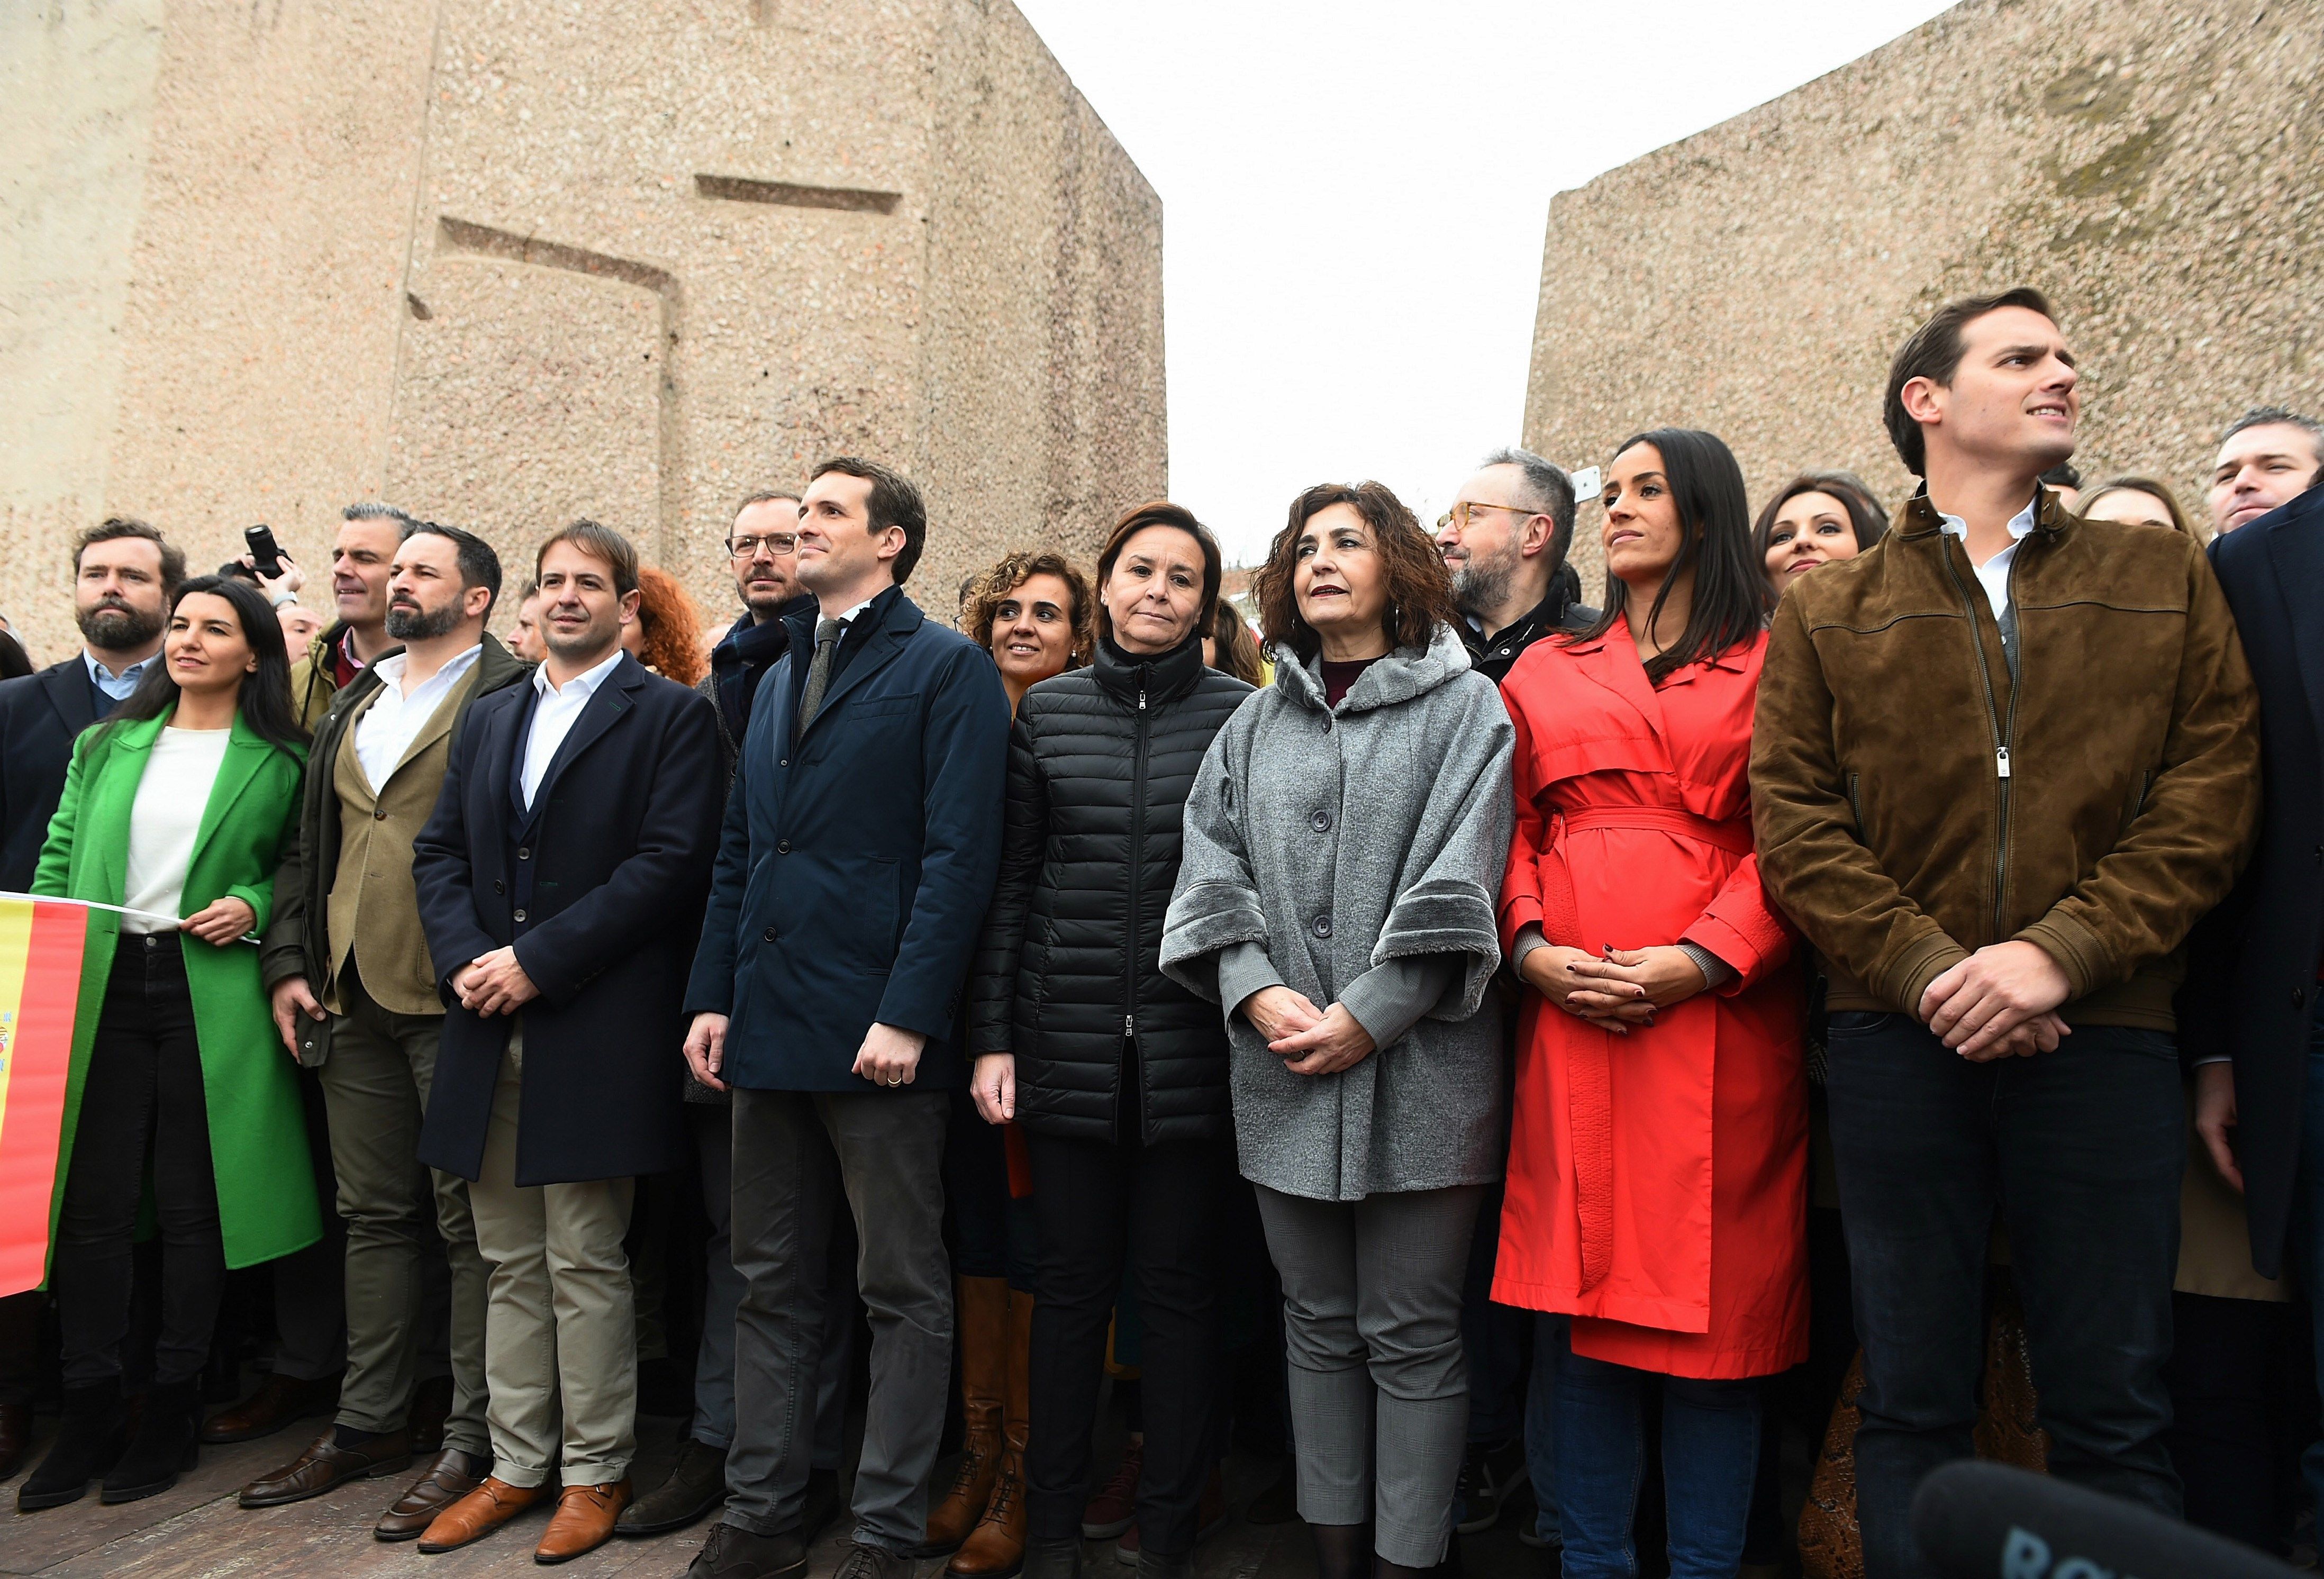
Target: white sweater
<point>163,820</point>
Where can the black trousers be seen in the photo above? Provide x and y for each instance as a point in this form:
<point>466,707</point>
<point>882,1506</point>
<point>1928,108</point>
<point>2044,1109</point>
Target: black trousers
<point>142,1094</point>
<point>2242,1407</point>
<point>2079,1151</point>
<point>1161,1209</point>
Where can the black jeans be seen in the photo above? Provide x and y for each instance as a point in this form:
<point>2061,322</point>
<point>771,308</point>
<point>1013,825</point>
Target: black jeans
<point>142,1092</point>
<point>1161,1208</point>
<point>2080,1150</point>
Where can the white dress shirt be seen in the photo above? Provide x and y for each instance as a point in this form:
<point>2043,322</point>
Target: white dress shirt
<point>394,719</point>
<point>553,716</point>
<point>163,820</point>
<point>116,687</point>
<point>1994,574</point>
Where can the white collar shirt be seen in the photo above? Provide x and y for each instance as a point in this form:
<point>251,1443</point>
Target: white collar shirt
<point>553,718</point>
<point>395,718</point>
<point>1994,574</point>
<point>115,686</point>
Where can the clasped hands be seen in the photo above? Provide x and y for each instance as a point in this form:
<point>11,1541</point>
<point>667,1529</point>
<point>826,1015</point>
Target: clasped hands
<point>2000,1003</point>
<point>1309,1040</point>
<point>1620,989</point>
<point>890,1056</point>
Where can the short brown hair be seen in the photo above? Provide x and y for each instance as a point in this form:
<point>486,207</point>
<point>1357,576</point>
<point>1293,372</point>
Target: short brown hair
<point>2159,491</point>
<point>599,542</point>
<point>989,588</point>
<point>1419,589</point>
<point>1935,352</point>
<point>893,502</point>
<point>113,527</point>
<point>1177,518</point>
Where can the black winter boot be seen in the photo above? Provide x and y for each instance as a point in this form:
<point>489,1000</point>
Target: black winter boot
<point>90,1438</point>
<point>164,1446</point>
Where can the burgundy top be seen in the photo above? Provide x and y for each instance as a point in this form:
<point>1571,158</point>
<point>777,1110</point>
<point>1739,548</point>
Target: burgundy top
<point>1339,676</point>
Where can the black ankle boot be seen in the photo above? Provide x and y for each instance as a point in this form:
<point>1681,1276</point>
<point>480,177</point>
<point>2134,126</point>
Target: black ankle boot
<point>90,1438</point>
<point>163,1448</point>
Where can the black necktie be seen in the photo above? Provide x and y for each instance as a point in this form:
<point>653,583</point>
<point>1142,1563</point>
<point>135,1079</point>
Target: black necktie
<point>827,632</point>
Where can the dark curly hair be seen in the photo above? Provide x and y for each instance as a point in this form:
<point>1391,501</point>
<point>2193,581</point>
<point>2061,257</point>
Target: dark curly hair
<point>1419,590</point>
<point>989,588</point>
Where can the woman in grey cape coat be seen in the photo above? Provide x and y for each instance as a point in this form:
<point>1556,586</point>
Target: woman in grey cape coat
<point>1344,842</point>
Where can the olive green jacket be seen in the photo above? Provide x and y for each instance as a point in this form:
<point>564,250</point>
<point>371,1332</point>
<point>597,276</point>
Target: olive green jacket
<point>258,1131</point>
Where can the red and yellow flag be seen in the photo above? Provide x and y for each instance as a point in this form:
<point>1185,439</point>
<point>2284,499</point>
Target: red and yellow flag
<point>39,995</point>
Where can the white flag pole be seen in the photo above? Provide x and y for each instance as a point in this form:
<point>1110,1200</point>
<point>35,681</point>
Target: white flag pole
<point>172,922</point>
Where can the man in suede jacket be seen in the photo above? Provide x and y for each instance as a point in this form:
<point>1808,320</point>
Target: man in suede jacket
<point>2001,765</point>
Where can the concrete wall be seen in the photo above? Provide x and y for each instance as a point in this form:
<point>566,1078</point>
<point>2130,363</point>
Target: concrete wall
<point>2150,163</point>
<point>506,261</point>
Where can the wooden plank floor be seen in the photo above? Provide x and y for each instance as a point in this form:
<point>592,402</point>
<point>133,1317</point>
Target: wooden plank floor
<point>197,1530</point>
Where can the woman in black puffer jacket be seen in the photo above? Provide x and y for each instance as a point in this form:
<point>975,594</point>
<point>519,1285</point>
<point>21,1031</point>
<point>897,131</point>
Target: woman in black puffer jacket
<point>1117,1074</point>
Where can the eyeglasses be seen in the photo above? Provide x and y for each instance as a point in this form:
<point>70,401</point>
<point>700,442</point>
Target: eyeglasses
<point>1458,514</point>
<point>778,543</point>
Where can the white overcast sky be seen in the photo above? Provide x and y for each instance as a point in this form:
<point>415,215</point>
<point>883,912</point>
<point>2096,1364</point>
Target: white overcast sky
<point>1354,198</point>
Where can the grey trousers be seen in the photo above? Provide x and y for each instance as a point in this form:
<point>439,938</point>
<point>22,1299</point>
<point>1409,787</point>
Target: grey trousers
<point>1379,1389</point>
<point>560,1331</point>
<point>801,1158</point>
<point>375,1083</point>
<point>712,1124</point>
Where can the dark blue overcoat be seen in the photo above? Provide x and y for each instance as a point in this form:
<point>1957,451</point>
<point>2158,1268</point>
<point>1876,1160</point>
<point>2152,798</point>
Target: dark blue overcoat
<point>857,862</point>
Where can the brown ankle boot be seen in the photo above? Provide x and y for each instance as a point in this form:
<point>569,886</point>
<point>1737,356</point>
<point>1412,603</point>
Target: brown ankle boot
<point>996,1548</point>
<point>983,1304</point>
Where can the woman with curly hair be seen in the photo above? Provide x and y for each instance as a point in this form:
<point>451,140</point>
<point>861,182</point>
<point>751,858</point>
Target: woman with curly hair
<point>1033,614</point>
<point>1343,847</point>
<point>667,637</point>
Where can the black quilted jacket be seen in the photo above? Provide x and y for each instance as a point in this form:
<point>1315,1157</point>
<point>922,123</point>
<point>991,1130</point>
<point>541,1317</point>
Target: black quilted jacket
<point>1099,762</point>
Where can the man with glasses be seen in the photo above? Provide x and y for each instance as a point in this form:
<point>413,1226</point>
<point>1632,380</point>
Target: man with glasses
<point>762,549</point>
<point>1505,540</point>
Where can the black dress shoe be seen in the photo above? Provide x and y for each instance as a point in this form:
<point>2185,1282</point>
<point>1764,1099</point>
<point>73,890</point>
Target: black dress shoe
<point>326,1465</point>
<point>696,1486</point>
<point>163,1447</point>
<point>736,1554</point>
<point>90,1438</point>
<point>278,1401</point>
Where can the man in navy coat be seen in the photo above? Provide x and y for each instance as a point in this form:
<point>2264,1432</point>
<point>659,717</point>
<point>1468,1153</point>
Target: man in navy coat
<point>861,843</point>
<point>2251,1015</point>
<point>559,883</point>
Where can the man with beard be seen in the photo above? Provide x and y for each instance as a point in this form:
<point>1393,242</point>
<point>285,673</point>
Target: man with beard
<point>355,998</point>
<point>1505,540</point>
<point>126,576</point>
<point>360,561</point>
<point>762,549</point>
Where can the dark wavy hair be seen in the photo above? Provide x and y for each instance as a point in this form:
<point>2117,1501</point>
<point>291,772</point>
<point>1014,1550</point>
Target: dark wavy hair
<point>989,587</point>
<point>1864,512</point>
<point>1419,589</point>
<point>265,700</point>
<point>1732,598</point>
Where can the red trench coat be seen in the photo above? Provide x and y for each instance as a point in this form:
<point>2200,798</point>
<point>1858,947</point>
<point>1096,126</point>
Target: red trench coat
<point>1657,1182</point>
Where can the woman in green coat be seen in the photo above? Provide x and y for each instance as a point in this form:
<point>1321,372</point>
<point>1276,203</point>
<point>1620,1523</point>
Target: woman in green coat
<point>174,807</point>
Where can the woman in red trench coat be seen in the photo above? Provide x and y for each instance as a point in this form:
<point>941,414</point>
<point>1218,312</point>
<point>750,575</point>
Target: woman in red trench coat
<point>1657,1176</point>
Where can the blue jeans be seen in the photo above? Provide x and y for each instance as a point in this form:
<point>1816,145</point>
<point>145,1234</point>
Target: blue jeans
<point>1711,1460</point>
<point>2080,1151</point>
<point>1550,1335</point>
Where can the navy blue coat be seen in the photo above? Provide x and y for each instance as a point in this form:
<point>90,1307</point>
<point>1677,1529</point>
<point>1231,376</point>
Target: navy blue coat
<point>2251,980</point>
<point>41,717</point>
<point>600,889</point>
<point>856,865</point>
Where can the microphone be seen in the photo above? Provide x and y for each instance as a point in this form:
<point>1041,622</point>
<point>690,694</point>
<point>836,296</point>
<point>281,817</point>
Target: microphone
<point>1978,1521</point>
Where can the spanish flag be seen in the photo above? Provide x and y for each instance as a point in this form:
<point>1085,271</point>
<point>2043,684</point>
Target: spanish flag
<point>40,993</point>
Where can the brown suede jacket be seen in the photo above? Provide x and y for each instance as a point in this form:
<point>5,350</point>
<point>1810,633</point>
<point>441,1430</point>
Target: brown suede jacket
<point>1915,800</point>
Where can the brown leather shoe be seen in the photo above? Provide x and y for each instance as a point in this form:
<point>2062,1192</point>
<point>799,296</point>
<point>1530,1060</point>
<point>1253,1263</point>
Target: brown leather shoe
<point>476,1515</point>
<point>278,1401</point>
<point>326,1465</point>
<point>981,1314</point>
<point>451,1475</point>
<point>584,1521</point>
<point>15,1438</point>
<point>995,1548</point>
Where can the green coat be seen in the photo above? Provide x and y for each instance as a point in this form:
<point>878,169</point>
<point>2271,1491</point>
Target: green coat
<point>258,1129</point>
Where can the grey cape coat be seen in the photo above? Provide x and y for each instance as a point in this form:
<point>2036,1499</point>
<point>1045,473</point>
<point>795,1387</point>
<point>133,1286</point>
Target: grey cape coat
<point>1338,839</point>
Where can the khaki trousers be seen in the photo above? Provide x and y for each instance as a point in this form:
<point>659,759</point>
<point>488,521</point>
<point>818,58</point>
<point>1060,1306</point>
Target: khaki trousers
<point>560,1331</point>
